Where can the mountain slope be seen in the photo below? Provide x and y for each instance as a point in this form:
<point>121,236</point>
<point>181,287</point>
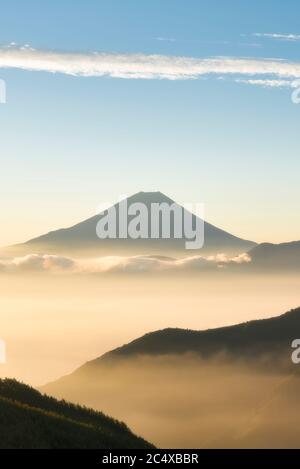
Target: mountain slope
<point>267,338</point>
<point>82,236</point>
<point>254,337</point>
<point>231,387</point>
<point>276,256</point>
<point>31,420</point>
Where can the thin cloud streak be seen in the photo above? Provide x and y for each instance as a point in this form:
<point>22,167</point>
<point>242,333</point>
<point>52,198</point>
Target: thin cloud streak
<point>268,83</point>
<point>283,37</point>
<point>140,65</point>
<point>166,39</point>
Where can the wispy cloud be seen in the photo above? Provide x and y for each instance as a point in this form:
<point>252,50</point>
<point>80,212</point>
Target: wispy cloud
<point>117,264</point>
<point>142,66</point>
<point>38,263</point>
<point>166,39</point>
<point>283,37</point>
<point>267,83</point>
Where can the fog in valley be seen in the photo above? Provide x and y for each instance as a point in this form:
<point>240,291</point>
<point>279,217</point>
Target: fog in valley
<point>188,402</point>
<point>54,323</point>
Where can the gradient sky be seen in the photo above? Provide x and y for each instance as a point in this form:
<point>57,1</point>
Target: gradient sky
<point>69,143</point>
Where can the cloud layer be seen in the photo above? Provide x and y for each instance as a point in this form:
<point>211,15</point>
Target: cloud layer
<point>283,37</point>
<point>117,264</point>
<point>142,66</point>
<point>270,83</point>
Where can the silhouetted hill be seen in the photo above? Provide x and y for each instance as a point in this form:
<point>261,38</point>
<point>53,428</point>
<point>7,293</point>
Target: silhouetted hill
<point>231,387</point>
<point>29,419</point>
<point>82,236</point>
<point>276,256</point>
<point>264,342</point>
<point>263,336</point>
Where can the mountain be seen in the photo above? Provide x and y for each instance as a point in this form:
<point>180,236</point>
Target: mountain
<point>276,256</point>
<point>250,340</point>
<point>82,237</point>
<point>32,420</point>
<point>231,387</point>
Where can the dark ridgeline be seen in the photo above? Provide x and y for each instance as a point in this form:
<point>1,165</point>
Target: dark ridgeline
<point>253,338</point>
<point>246,373</point>
<point>32,420</point>
<point>284,256</point>
<point>262,343</point>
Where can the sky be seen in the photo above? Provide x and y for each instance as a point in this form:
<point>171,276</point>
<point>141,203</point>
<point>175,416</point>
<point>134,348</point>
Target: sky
<point>106,98</point>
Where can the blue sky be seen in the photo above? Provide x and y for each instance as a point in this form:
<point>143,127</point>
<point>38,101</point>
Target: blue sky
<point>69,143</point>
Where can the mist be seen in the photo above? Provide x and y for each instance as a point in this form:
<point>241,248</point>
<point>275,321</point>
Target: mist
<point>54,323</point>
<point>188,402</point>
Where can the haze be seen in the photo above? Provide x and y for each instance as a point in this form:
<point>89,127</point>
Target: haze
<point>54,323</point>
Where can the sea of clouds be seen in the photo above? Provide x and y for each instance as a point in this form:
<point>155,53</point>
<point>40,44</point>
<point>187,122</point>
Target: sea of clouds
<point>118,264</point>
